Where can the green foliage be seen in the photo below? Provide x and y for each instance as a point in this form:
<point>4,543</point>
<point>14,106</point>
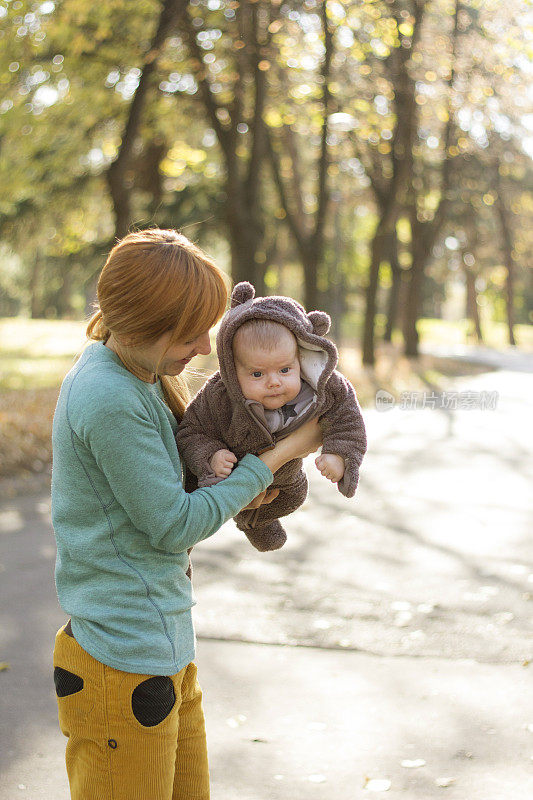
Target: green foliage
<point>69,71</point>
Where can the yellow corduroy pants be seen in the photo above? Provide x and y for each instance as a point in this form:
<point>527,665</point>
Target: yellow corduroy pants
<point>130,737</point>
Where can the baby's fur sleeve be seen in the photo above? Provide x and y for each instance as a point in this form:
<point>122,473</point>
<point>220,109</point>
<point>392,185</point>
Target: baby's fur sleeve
<point>199,433</point>
<point>343,430</point>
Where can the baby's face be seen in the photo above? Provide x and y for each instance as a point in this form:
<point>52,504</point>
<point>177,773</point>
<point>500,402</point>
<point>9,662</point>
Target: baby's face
<point>272,377</point>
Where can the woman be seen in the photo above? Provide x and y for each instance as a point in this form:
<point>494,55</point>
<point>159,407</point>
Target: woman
<point>129,701</point>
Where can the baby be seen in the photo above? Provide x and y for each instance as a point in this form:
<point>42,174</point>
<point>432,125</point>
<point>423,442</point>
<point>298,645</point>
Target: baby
<point>277,370</point>
<point>268,371</point>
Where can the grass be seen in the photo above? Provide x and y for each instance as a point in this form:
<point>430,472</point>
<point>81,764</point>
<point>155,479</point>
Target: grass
<point>439,331</point>
<point>35,355</point>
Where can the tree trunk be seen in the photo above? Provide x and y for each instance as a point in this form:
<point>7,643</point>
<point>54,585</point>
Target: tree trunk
<point>62,300</point>
<point>390,195</point>
<point>336,289</point>
<point>243,207</point>
<point>425,233</point>
<point>244,265</point>
<point>419,252</point>
<point>307,230</point>
<point>472,308</point>
<point>119,177</point>
<point>311,293</point>
<point>120,191</point>
<point>246,236</point>
<point>36,304</point>
<point>507,245</point>
<point>394,291</point>
<point>378,251</point>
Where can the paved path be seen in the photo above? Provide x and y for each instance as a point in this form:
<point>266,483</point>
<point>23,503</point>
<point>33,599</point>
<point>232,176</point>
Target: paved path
<point>413,603</point>
<point>510,358</point>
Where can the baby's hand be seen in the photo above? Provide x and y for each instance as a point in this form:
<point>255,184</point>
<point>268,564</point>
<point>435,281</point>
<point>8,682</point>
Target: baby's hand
<point>331,466</point>
<point>222,463</point>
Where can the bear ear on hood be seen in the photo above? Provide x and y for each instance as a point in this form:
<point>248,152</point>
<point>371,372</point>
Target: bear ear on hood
<point>320,321</point>
<point>242,292</point>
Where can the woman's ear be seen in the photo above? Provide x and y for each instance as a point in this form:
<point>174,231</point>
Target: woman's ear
<point>320,321</point>
<point>242,292</point>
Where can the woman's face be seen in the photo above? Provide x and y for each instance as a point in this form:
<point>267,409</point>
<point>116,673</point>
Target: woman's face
<point>177,356</point>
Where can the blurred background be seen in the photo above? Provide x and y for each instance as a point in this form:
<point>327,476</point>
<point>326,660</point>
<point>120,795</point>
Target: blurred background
<point>373,159</point>
<point>369,158</point>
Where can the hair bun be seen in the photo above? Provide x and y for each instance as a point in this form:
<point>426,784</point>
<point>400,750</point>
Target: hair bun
<point>320,321</point>
<point>242,292</point>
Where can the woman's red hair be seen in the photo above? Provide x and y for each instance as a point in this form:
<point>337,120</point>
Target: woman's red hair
<point>155,281</point>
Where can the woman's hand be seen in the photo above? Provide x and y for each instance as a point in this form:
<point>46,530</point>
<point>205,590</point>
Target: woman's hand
<point>263,499</point>
<point>304,440</point>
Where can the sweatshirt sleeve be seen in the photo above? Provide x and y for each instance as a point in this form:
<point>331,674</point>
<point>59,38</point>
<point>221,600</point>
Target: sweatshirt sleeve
<point>129,451</point>
<point>198,437</point>
<point>344,430</point>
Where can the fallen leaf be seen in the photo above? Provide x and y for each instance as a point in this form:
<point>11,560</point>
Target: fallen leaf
<point>417,762</point>
<point>402,619</point>
<point>4,665</point>
<point>377,784</point>
<point>317,778</point>
<point>443,783</point>
<point>235,721</point>
<point>321,624</point>
<point>464,754</point>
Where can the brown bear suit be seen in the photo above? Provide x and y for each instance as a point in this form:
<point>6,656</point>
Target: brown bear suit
<point>220,417</point>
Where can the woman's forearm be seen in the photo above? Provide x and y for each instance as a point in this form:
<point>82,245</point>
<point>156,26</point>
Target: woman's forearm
<point>299,444</point>
<point>274,459</point>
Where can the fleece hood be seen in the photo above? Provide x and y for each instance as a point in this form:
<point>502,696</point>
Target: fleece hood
<point>318,355</point>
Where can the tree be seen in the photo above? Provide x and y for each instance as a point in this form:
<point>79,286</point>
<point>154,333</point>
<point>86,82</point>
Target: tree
<point>119,182</point>
<point>306,227</point>
<point>390,185</point>
<point>234,104</point>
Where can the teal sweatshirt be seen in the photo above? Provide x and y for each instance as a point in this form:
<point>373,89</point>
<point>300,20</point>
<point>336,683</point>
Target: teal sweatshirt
<point>123,521</point>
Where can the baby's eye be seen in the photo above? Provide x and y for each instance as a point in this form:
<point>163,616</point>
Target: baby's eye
<point>284,370</point>
<point>257,374</point>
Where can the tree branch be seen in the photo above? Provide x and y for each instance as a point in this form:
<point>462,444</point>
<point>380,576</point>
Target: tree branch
<point>292,221</point>
<point>170,11</point>
<point>438,219</point>
<point>223,134</point>
<point>323,193</point>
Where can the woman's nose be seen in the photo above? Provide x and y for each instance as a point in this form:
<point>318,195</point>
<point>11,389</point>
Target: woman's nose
<point>204,344</point>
